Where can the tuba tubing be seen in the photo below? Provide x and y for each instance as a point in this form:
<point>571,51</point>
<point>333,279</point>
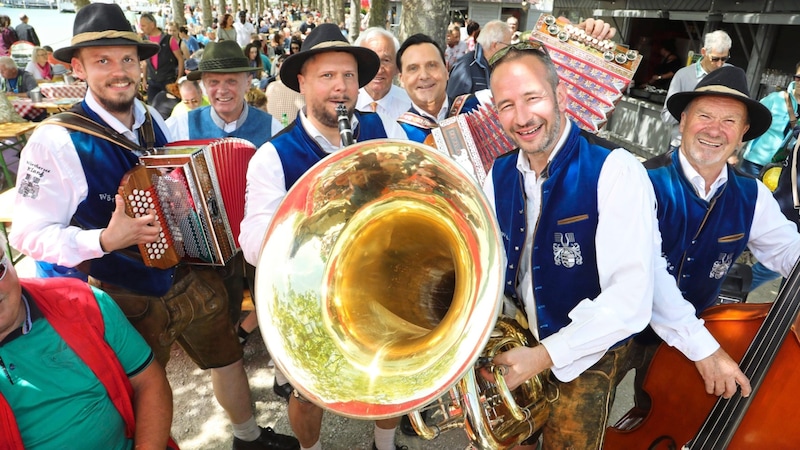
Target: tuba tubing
<point>378,286</point>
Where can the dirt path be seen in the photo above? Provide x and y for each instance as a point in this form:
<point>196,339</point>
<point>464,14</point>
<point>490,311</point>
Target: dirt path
<point>199,423</point>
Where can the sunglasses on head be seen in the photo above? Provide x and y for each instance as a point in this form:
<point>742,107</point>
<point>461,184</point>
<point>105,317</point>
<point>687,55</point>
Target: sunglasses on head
<point>524,46</point>
<point>719,58</point>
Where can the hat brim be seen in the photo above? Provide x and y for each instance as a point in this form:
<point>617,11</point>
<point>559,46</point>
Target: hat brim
<point>367,60</point>
<point>197,74</point>
<point>145,49</point>
<point>759,115</point>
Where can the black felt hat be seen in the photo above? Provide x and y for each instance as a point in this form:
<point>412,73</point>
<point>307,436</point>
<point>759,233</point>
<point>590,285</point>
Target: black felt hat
<point>327,37</point>
<point>103,25</point>
<point>222,57</point>
<point>727,81</point>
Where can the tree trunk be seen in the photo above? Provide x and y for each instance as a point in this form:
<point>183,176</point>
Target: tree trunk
<point>208,17</point>
<point>235,10</point>
<point>337,12</point>
<point>355,19</point>
<point>177,12</point>
<point>425,16</point>
<point>220,9</point>
<point>377,13</point>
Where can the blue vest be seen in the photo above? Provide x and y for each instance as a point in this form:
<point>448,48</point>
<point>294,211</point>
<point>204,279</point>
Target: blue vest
<point>564,259</point>
<point>104,165</point>
<point>418,132</point>
<point>299,151</point>
<point>257,128</point>
<point>701,239</point>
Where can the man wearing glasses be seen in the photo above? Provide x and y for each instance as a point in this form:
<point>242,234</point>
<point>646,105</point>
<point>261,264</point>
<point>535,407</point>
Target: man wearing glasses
<point>716,52</point>
<point>579,230</point>
<point>192,97</point>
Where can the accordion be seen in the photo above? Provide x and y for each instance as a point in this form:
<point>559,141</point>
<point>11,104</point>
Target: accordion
<point>596,73</point>
<point>473,139</point>
<point>197,190</point>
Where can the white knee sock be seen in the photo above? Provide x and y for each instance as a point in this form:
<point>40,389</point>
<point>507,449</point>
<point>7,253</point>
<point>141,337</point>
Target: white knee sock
<point>317,446</point>
<point>280,377</point>
<point>384,439</point>
<point>247,431</point>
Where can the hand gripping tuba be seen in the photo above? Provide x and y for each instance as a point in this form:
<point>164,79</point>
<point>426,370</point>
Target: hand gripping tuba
<point>380,280</point>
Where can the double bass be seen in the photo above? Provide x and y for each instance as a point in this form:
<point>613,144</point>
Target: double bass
<point>764,338</point>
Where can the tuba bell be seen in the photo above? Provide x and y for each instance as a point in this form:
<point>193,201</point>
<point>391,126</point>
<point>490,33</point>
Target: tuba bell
<point>378,287</point>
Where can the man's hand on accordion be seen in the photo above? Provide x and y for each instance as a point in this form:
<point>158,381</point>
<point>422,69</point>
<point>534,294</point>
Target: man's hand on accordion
<point>123,231</point>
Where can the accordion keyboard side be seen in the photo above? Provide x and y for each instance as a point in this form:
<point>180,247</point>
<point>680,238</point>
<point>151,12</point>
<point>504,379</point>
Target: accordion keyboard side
<point>140,196</point>
<point>595,73</point>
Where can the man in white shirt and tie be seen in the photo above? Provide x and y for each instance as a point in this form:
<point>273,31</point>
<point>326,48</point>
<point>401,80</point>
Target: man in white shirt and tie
<point>381,95</point>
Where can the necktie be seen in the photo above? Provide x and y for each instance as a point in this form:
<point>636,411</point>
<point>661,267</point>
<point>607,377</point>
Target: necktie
<point>374,106</point>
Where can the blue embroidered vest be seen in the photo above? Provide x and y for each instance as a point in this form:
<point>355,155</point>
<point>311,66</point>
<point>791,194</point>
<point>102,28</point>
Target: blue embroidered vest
<point>299,151</point>
<point>257,128</point>
<point>701,239</point>
<point>104,165</point>
<point>564,260</point>
<point>418,127</point>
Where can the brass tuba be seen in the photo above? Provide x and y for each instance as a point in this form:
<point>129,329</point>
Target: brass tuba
<point>379,283</point>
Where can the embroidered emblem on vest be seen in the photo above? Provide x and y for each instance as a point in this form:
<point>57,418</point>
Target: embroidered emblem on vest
<point>566,251</point>
<point>721,266</point>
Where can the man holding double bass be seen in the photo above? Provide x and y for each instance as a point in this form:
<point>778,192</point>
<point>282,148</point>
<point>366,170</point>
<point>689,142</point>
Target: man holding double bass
<point>708,213</point>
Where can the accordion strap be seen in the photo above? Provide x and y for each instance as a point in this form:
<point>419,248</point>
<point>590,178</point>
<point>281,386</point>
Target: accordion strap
<point>74,120</point>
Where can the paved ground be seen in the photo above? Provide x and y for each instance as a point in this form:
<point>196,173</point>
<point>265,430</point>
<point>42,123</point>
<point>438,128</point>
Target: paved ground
<point>199,422</point>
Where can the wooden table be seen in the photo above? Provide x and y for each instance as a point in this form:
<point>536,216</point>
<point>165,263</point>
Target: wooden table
<point>13,136</point>
<point>6,213</point>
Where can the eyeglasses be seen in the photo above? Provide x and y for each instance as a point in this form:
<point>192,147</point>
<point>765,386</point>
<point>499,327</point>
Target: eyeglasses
<point>525,46</point>
<point>796,77</point>
<point>3,266</point>
<point>719,58</point>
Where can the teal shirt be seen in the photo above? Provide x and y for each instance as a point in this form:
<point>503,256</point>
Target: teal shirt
<point>56,399</point>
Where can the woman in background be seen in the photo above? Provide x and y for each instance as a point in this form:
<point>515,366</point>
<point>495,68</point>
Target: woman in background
<point>225,31</point>
<point>7,36</point>
<point>38,66</point>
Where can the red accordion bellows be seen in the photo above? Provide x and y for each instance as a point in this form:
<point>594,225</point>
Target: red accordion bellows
<point>199,191</point>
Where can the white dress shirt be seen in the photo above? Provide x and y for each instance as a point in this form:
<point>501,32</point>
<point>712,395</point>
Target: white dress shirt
<point>266,184</point>
<point>774,241</point>
<point>55,183</point>
<point>627,240</point>
<point>392,105</point>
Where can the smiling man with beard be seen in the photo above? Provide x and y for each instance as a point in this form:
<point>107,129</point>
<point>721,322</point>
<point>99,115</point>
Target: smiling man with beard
<point>579,231</point>
<point>328,71</point>
<point>68,212</point>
